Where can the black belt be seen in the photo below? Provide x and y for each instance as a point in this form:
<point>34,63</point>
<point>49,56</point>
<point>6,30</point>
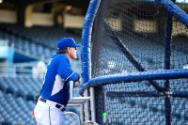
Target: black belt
<point>57,105</point>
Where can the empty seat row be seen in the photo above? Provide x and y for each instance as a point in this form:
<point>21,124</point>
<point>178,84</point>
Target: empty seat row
<point>23,86</point>
<point>15,110</point>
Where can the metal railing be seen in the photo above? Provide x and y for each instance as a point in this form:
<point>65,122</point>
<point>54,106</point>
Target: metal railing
<point>35,69</point>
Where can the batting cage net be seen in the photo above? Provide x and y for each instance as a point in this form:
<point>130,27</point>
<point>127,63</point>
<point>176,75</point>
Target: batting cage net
<point>126,29</point>
<point>133,38</point>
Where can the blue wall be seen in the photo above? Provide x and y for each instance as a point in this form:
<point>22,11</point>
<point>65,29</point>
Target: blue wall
<point>7,54</point>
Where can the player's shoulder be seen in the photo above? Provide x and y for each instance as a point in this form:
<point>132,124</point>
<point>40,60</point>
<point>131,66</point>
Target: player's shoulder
<point>61,58</point>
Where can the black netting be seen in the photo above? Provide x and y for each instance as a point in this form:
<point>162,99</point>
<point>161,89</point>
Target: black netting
<point>141,27</point>
<point>123,109</point>
<point>134,110</point>
<point>179,111</point>
<point>139,104</point>
<point>179,85</point>
<point>130,36</point>
<point>179,43</point>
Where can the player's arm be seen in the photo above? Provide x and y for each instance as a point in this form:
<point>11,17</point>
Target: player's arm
<point>66,73</point>
<point>75,78</point>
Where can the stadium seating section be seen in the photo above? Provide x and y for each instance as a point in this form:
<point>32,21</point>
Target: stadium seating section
<point>18,93</point>
<point>37,42</point>
<point>17,97</point>
<point>17,100</point>
<point>15,110</point>
<point>26,87</point>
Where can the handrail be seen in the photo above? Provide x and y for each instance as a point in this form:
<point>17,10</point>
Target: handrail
<point>135,77</point>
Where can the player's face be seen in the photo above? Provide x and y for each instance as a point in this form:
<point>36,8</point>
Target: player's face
<point>72,52</point>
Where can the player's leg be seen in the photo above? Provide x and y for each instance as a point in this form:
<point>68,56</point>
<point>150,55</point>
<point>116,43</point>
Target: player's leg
<point>56,116</point>
<point>42,114</point>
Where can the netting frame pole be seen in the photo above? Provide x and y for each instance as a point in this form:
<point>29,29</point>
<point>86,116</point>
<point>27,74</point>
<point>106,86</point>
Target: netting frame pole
<point>138,77</point>
<point>167,65</point>
<point>86,54</point>
<point>175,10</point>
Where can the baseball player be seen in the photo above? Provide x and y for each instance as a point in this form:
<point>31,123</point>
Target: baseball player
<point>54,94</point>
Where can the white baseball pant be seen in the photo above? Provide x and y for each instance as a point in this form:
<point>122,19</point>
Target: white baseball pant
<point>48,115</point>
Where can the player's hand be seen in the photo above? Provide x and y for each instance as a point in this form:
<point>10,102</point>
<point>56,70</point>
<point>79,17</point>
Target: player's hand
<point>77,83</point>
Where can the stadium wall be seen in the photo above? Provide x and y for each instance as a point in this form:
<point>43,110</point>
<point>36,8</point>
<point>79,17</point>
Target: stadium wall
<point>41,19</point>
<point>8,16</point>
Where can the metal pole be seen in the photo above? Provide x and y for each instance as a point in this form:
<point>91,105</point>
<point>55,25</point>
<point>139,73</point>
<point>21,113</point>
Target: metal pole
<point>86,50</point>
<point>168,39</point>
<point>92,100</point>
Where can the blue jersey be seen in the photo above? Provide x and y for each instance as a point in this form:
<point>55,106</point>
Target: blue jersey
<point>56,80</point>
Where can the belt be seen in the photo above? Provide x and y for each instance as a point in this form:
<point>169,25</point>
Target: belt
<point>53,104</point>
